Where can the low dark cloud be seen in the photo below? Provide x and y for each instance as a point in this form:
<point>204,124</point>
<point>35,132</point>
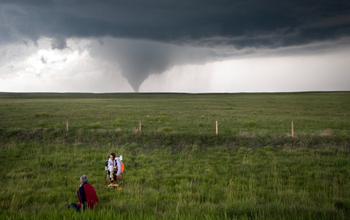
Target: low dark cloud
<point>268,23</point>
<point>58,43</point>
<point>137,59</point>
<point>239,25</point>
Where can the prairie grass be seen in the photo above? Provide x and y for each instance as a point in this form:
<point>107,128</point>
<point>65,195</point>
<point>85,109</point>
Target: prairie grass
<point>261,114</point>
<point>177,168</point>
<point>39,180</point>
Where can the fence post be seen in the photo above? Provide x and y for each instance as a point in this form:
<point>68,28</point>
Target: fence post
<point>217,129</point>
<point>67,124</point>
<point>140,125</point>
<point>292,129</point>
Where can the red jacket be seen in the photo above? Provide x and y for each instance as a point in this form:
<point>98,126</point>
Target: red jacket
<point>87,196</point>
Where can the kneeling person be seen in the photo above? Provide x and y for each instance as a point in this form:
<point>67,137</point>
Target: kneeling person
<point>117,165</point>
<point>86,194</point>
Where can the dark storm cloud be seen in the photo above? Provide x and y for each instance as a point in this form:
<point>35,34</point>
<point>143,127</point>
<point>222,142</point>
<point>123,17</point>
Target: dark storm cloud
<point>269,23</point>
<point>243,25</point>
<point>138,59</point>
<point>58,43</point>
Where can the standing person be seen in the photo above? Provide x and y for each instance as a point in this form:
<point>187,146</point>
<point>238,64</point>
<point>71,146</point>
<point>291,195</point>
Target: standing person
<point>117,164</point>
<point>86,194</point>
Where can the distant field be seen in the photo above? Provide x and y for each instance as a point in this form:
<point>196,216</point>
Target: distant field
<point>245,114</point>
<point>177,167</point>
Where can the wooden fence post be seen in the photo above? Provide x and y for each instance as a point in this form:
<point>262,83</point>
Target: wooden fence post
<point>67,124</point>
<point>140,125</point>
<point>292,129</point>
<point>217,129</point>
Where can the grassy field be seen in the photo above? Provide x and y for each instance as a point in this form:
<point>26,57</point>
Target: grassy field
<point>177,167</point>
<point>260,114</point>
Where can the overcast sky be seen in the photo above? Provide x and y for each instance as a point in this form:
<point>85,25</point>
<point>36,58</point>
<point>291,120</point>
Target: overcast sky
<point>190,46</point>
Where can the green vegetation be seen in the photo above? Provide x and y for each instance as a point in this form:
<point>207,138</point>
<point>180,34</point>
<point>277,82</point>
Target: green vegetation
<point>258,114</point>
<point>177,168</point>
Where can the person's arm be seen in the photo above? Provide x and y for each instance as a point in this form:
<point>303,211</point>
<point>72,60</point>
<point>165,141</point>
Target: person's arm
<point>81,196</point>
<point>108,163</point>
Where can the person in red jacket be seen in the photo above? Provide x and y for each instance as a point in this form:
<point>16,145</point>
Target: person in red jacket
<point>86,194</point>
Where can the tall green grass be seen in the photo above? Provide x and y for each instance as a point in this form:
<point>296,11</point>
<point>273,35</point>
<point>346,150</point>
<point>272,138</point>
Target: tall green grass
<point>324,114</point>
<point>177,168</point>
<point>39,180</point>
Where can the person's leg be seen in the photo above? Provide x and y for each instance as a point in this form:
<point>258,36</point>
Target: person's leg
<point>107,177</point>
<point>75,206</point>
